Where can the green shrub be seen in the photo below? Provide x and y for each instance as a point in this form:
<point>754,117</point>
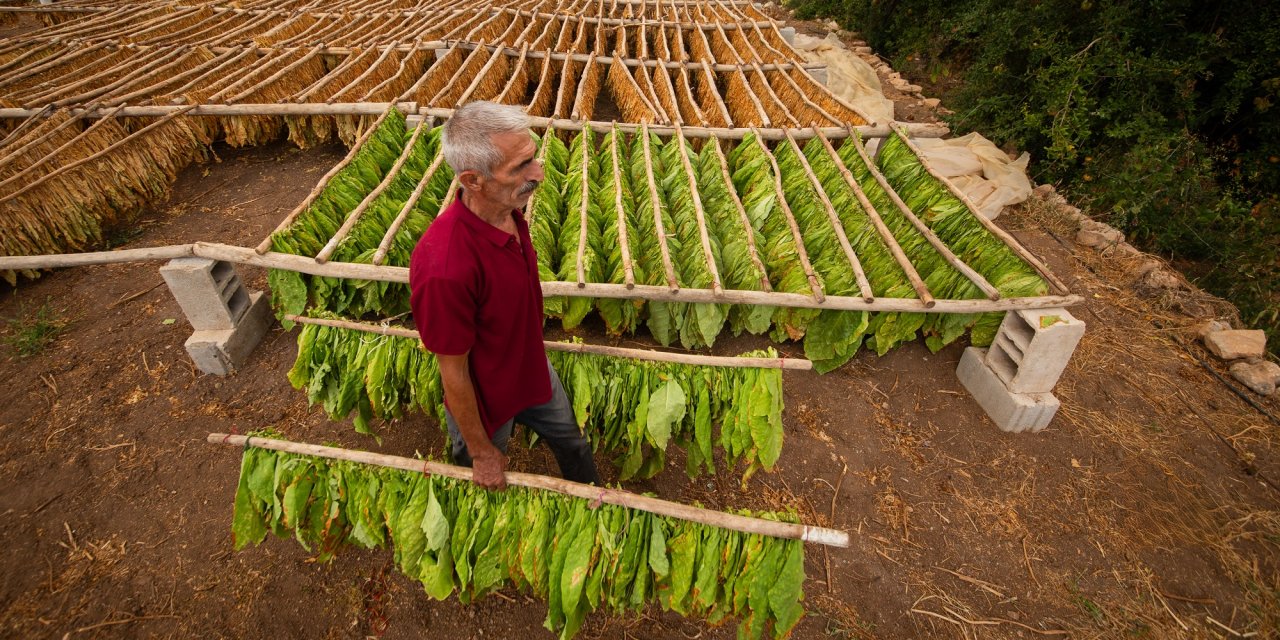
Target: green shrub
<point>1162,117</point>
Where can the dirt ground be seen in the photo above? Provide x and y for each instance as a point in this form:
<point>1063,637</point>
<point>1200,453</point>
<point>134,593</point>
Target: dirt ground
<point>1147,509</point>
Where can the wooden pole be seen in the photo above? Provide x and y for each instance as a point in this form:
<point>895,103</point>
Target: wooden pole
<point>941,247</point>
<point>732,522</point>
<point>265,245</point>
<point>389,237</point>
<point>368,200</point>
<point>818,294</point>
<point>990,225</point>
<point>885,234</point>
<point>742,216</point>
<point>698,212</point>
<point>583,220</point>
<point>918,130</point>
<point>750,362</point>
<point>303,264</point>
<point>629,276</point>
<point>19,263</point>
<point>656,205</point>
<point>837,225</point>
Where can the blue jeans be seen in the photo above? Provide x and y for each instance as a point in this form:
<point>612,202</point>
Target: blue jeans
<point>554,422</point>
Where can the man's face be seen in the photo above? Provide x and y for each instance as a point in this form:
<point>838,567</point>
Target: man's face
<point>516,176</point>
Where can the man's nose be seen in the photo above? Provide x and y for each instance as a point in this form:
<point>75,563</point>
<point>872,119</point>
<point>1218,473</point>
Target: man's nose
<point>536,171</point>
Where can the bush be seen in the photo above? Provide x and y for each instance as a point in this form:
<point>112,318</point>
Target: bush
<point>1162,117</point>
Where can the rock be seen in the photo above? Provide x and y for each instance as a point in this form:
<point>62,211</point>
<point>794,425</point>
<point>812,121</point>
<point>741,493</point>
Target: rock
<point>913,88</point>
<point>861,49</point>
<point>1043,190</point>
<point>1145,267</point>
<point>1210,326</point>
<point>1098,235</point>
<point>945,111</point>
<point>1124,250</point>
<point>1160,279</point>
<point>832,25</point>
<point>1069,212</point>
<point>932,103</point>
<point>1261,377</point>
<point>1235,344</point>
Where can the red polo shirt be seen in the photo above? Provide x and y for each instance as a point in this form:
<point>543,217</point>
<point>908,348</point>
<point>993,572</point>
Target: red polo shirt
<point>475,290</point>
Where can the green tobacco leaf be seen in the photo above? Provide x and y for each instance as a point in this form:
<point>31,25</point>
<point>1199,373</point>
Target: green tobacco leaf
<point>666,408</point>
<point>658,560</point>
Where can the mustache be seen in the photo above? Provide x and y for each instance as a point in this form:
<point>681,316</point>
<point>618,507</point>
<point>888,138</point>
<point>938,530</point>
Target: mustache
<point>528,187</point>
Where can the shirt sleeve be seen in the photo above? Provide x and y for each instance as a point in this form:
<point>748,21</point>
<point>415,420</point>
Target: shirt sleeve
<point>444,310</point>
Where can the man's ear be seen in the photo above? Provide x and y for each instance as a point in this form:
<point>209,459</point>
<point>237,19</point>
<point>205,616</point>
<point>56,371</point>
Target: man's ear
<point>470,180</point>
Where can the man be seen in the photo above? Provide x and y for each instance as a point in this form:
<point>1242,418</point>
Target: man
<point>477,301</point>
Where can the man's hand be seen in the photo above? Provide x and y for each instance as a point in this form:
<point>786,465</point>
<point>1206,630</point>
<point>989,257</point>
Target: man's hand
<point>487,470</point>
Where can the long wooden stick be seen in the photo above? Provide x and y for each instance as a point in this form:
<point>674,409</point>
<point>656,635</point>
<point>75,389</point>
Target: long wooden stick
<point>864,287</point>
<point>596,349</point>
<point>275,76</point>
<point>742,216</point>
<point>304,264</point>
<point>656,205</point>
<point>991,226</point>
<point>818,294</point>
<point>941,247</point>
<point>732,522</point>
<point>265,245</point>
<point>19,263</point>
<point>369,199</point>
<point>918,130</point>
<point>583,219</point>
<point>389,237</point>
<point>698,212</point>
<point>885,234</point>
<point>629,276</point>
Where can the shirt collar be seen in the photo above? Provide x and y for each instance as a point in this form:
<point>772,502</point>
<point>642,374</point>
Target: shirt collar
<point>498,237</point>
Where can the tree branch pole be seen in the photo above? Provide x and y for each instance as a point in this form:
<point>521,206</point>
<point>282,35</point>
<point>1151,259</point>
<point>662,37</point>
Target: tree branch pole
<point>918,130</point>
<point>747,362</point>
<point>732,522</point>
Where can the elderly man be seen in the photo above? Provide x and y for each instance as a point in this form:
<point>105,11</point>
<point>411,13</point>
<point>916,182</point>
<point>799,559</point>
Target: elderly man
<point>478,304</point>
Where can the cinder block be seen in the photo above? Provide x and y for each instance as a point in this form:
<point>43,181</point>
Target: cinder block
<point>206,289</point>
<point>1013,412</point>
<point>788,34</point>
<point>1033,347</point>
<point>819,74</point>
<point>222,351</point>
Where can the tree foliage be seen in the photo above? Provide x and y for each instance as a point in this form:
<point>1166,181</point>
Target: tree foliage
<point>1161,116</point>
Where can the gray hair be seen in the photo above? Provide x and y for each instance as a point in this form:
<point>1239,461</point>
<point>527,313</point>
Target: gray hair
<point>467,139</point>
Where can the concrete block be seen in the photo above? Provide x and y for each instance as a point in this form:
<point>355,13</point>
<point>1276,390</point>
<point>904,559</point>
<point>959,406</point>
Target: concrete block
<point>819,74</point>
<point>1237,343</point>
<point>1032,348</point>
<point>1012,412</point>
<point>206,291</point>
<point>222,351</point>
<point>788,34</point>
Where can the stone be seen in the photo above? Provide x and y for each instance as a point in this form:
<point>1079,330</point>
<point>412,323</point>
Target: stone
<point>1098,238</point>
<point>932,103</point>
<point>1013,412</point>
<point>1145,267</point>
<point>1160,279</point>
<point>861,49</point>
<point>1261,377</point>
<point>1043,190</point>
<point>1235,344</point>
<point>1210,326</point>
<point>913,88</point>
<point>1122,250</point>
